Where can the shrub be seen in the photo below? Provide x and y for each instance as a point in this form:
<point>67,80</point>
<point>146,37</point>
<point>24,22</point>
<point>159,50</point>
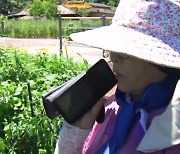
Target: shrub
<point>50,9</point>
<point>84,12</point>
<point>40,8</point>
<point>36,8</point>
<point>9,6</point>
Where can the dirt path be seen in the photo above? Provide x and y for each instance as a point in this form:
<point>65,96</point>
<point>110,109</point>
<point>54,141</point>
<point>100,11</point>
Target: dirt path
<point>51,46</point>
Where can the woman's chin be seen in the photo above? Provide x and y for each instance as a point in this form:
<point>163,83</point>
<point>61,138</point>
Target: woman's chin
<point>123,88</point>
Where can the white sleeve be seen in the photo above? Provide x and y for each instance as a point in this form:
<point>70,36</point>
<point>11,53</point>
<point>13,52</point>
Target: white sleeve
<point>71,139</point>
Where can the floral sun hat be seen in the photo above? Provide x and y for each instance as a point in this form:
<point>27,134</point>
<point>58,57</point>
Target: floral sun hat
<point>146,29</point>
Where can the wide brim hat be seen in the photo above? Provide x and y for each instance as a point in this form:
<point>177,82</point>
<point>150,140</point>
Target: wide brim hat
<point>146,29</point>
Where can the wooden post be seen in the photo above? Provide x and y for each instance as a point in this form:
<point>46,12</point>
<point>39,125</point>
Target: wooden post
<point>103,20</point>
<point>60,32</point>
<point>103,24</point>
<point>2,27</point>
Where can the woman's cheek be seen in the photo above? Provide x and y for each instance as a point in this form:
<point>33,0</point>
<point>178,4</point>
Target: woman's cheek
<point>123,85</point>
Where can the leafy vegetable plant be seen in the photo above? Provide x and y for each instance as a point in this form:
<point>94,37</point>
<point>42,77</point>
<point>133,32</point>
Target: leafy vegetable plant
<point>24,126</point>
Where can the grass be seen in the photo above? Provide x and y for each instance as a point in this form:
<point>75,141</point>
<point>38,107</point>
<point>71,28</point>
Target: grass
<point>32,28</point>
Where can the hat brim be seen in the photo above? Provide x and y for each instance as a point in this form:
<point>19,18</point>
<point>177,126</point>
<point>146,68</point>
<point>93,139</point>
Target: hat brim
<point>126,40</point>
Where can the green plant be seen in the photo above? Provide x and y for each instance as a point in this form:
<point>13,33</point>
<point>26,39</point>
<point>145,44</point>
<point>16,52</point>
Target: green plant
<point>8,6</point>
<point>36,8</point>
<point>50,9</point>
<point>84,12</point>
<point>47,29</point>
<point>32,28</point>
<point>70,28</point>
<point>46,8</point>
<point>24,126</point>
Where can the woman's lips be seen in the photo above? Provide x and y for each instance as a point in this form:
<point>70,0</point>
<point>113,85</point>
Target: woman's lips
<point>117,75</point>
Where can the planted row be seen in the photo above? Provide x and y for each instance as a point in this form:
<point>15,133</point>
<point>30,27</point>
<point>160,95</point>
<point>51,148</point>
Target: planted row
<point>24,126</point>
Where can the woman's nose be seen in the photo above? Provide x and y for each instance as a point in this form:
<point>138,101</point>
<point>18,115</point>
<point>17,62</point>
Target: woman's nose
<point>117,57</point>
<point>113,58</point>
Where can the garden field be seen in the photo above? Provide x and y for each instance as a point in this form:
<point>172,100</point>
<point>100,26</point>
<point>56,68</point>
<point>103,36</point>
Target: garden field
<point>24,126</point>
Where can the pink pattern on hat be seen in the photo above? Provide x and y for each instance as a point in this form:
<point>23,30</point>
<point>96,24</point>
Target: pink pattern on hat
<point>146,29</point>
<point>158,18</point>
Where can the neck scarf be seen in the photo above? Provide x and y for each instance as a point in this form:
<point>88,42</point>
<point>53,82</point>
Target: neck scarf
<point>155,96</point>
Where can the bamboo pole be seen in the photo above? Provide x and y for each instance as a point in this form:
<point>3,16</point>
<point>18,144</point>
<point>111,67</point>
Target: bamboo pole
<point>85,18</point>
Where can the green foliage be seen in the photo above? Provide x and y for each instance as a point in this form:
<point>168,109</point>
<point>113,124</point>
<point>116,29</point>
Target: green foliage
<point>32,28</point>
<point>8,6</point>
<point>73,26</point>
<point>112,3</point>
<point>47,29</point>
<point>84,12</point>
<point>40,8</point>
<point>3,17</point>
<point>50,9</point>
<point>24,126</point>
<point>36,8</point>
<point>2,20</point>
<point>70,27</point>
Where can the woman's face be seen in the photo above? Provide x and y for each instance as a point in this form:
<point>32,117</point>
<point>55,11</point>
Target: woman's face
<point>133,74</point>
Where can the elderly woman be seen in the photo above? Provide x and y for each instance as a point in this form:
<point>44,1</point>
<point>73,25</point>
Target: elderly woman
<point>143,116</point>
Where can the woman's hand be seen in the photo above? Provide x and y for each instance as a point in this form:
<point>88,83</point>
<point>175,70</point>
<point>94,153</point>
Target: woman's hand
<point>87,121</point>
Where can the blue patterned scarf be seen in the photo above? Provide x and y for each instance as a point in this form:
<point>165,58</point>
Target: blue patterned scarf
<point>155,96</point>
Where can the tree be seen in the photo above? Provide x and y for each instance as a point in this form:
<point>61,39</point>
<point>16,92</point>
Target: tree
<point>36,8</point>
<point>46,8</point>
<point>9,6</point>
